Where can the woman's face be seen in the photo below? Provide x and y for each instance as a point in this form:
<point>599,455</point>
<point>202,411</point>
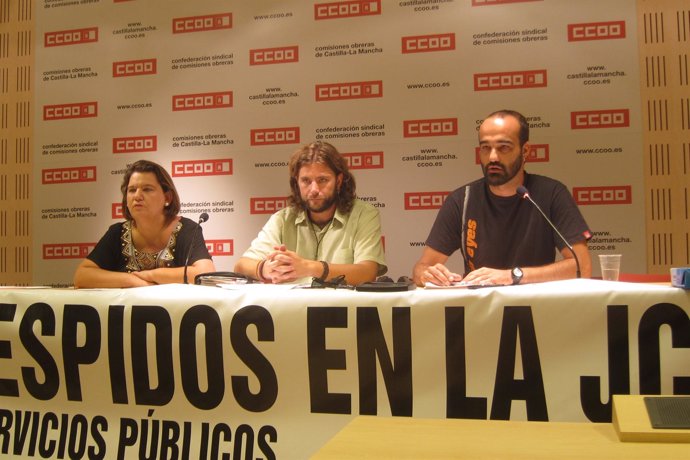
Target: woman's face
<point>145,196</point>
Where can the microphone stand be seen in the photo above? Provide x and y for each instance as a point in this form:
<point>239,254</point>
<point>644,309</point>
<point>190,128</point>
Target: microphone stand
<point>202,218</point>
<point>522,191</point>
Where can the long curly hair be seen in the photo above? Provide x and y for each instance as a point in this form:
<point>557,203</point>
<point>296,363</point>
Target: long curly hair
<point>323,153</point>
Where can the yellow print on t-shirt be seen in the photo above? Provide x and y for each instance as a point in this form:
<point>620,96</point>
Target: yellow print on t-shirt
<point>471,243</point>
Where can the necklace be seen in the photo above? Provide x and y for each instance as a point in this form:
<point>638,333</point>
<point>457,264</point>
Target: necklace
<point>316,236</point>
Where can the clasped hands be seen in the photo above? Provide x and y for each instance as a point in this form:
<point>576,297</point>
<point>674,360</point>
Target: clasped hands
<point>283,265</point>
<point>439,275</point>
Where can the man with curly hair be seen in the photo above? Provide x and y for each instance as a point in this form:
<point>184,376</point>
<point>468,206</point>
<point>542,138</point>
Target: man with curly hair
<point>324,232</point>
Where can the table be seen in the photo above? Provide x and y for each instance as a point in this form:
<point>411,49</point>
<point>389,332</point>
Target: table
<point>402,438</point>
<point>283,370</point>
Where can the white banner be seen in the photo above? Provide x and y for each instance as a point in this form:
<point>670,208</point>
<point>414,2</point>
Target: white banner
<point>266,372</point>
<point>222,92</point>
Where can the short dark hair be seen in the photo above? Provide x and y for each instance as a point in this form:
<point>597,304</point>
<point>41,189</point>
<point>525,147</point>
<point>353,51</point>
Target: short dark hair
<point>326,154</point>
<point>165,181</point>
<point>523,134</point>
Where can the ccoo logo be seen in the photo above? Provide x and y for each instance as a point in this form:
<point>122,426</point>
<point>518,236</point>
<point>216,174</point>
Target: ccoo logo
<point>610,194</point>
<point>67,111</point>
<point>267,205</point>
<point>68,175</point>
<point>596,31</point>
<point>274,55</point>
<point>427,43</point>
<point>134,68</point>
<point>432,127</point>
<point>274,136</point>
<point>424,200</point>
<point>347,9</point>
<point>202,23</point>
<point>67,250</point>
<point>354,90</point>
<point>202,101</point>
<point>135,144</point>
<point>220,247</point>
<point>70,37</point>
<point>593,119</point>
<point>510,80</point>
<point>221,167</point>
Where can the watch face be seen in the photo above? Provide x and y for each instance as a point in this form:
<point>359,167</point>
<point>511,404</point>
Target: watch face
<point>516,274</point>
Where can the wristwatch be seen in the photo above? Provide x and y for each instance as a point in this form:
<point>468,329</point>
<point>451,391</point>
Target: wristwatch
<point>516,273</point>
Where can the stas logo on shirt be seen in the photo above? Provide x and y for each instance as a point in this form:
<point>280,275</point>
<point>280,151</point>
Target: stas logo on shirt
<point>520,79</point>
<point>189,168</point>
<point>70,37</point>
<point>202,23</point>
<point>274,136</point>
<point>201,101</point>
<point>364,160</point>
<point>67,111</point>
<point>68,175</point>
<point>594,119</point>
<point>352,90</point>
<point>424,200</point>
<point>134,68</point>
<point>608,194</point>
<point>596,31</point>
<point>220,247</point>
<point>135,144</point>
<point>427,43</point>
<point>67,250</point>
<point>280,55</point>
<point>431,127</point>
<point>347,9</point>
<point>267,205</point>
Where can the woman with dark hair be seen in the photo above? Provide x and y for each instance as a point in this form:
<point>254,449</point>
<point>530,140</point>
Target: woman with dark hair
<point>151,245</point>
<point>324,232</point>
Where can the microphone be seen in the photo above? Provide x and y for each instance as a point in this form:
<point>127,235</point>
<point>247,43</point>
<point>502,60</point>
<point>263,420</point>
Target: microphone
<point>522,191</point>
<point>202,218</point>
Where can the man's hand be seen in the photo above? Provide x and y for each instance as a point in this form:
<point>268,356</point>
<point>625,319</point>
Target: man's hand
<point>487,276</point>
<point>439,275</point>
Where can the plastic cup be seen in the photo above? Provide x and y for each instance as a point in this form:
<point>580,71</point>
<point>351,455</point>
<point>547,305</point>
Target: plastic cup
<point>610,266</point>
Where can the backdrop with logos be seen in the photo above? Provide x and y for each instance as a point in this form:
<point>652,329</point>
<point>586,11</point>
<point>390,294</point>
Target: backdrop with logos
<point>222,92</point>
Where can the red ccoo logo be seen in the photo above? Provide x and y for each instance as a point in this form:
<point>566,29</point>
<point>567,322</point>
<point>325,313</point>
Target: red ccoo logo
<point>220,247</point>
<point>433,127</point>
<point>67,250</point>
<point>71,37</point>
<point>116,211</point>
<point>274,136</point>
<point>348,9</point>
<point>611,194</point>
<point>364,160</point>
<point>596,31</point>
<point>134,68</point>
<point>538,153</point>
<point>427,43</point>
<point>202,23</point>
<point>68,175</point>
<point>510,80</point>
<point>221,167</point>
<point>274,55</point>
<point>202,101</point>
<point>135,144</point>
<point>424,200</point>
<point>614,118</point>
<point>353,90</point>
<point>267,205</point>
<point>65,111</point>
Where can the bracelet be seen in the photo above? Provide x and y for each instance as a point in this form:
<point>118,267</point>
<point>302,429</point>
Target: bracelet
<point>326,269</point>
<point>259,270</point>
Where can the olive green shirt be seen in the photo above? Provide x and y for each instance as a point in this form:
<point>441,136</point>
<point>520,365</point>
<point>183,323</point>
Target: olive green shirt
<point>347,239</point>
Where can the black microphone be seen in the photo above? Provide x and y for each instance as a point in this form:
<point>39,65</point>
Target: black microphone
<point>202,218</point>
<point>522,191</point>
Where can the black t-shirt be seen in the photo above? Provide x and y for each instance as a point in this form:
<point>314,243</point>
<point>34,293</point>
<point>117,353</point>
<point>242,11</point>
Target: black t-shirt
<point>108,253</point>
<point>505,232</point>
